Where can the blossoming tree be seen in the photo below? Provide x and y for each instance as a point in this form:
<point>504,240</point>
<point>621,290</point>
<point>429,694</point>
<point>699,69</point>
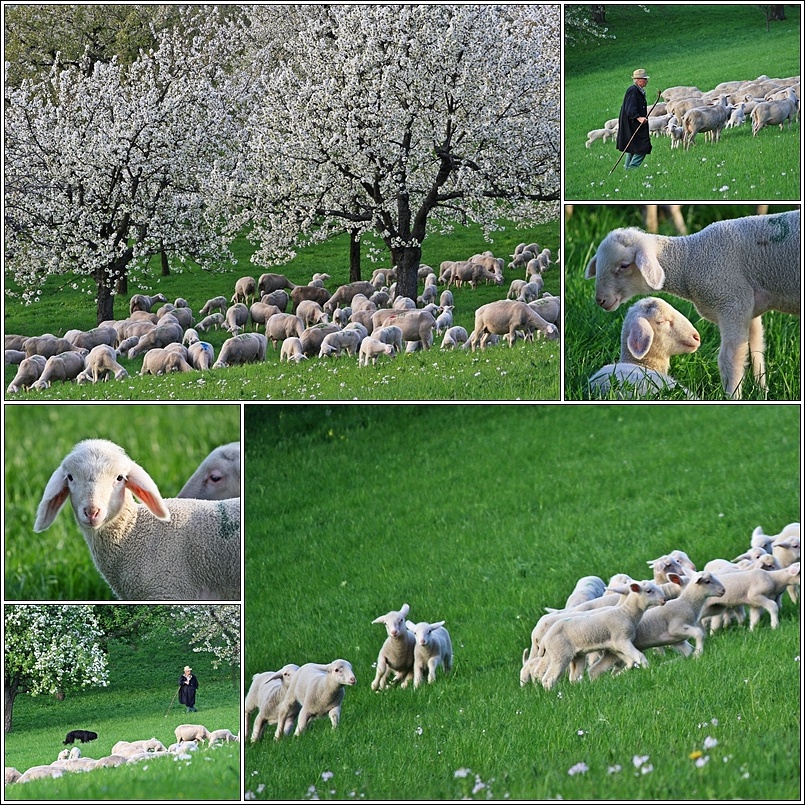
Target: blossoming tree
<point>389,118</point>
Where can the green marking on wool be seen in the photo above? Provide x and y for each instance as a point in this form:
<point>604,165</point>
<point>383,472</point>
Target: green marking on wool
<point>780,227</point>
<point>229,528</point>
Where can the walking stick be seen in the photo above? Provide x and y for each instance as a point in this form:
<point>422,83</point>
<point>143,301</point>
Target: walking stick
<point>171,704</point>
<point>633,136</point>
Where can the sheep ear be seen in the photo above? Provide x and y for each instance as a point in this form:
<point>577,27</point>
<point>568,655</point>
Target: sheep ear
<point>639,338</point>
<point>676,579</point>
<point>410,625</point>
<point>635,587</point>
<point>590,272</point>
<point>379,619</point>
<point>140,484</point>
<point>649,266</point>
<point>404,610</point>
<point>55,496</point>
<point>435,626</point>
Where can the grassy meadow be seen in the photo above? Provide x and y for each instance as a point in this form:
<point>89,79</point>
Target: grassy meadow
<point>681,45</point>
<point>168,441</point>
<point>135,705</point>
<point>482,516</point>
<point>593,336</point>
<point>528,371</point>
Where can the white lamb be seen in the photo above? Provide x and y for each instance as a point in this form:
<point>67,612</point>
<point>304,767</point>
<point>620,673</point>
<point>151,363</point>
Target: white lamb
<point>433,648</point>
<point>265,695</point>
<point>652,332</point>
<point>315,690</point>
<point>191,732</point>
<point>733,271</point>
<point>175,549</point>
<point>397,652</point>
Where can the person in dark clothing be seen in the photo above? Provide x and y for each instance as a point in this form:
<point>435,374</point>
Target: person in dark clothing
<point>633,134</point>
<point>187,689</point>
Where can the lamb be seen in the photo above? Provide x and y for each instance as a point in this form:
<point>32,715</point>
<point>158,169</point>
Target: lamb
<point>101,364</point>
<point>505,317</point>
<point>432,648</point>
<point>444,321</point>
<point>611,629</point>
<point>216,303</point>
<point>371,349</point>
<point>191,732</point>
<point>334,344</point>
<point>201,355</point>
<point>397,652</point>
<point>652,332</point>
<point>174,549</point>
<point>291,350</point>
<point>282,326</point>
<point>531,290</point>
<point>223,735</point>
<point>144,302</point>
<point>164,361</point>
<point>237,317</point>
<point>600,134</point>
<point>241,349</point>
<point>315,690</point>
<point>454,337</point>
<point>737,116</point>
<point>245,290</point>
<point>214,321</point>
<point>265,695</point>
<point>183,747</point>
<point>217,477</point>
<point>773,113</point>
<point>64,367</point>
<point>587,588</point>
<point>391,334</point>
<point>733,271</point>
<point>28,372</point>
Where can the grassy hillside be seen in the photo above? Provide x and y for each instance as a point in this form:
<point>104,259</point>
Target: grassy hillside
<point>528,371</point>
<point>135,705</point>
<point>681,45</point>
<point>593,336</point>
<point>169,441</point>
<point>482,516</point>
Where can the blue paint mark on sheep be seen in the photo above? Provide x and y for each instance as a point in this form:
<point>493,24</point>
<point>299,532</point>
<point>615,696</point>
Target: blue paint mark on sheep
<point>228,528</point>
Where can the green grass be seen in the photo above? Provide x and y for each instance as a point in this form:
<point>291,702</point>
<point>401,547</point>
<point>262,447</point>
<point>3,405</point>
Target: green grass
<point>593,335</point>
<point>482,516</point>
<point>169,441</point>
<point>681,45</point>
<point>135,705</point>
<point>528,371</point>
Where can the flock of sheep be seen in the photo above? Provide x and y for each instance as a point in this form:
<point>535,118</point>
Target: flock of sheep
<point>364,318</point>
<point>687,111</point>
<point>608,626</point>
<point>188,738</point>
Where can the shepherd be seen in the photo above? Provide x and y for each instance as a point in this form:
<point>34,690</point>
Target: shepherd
<point>188,683</point>
<point>633,132</point>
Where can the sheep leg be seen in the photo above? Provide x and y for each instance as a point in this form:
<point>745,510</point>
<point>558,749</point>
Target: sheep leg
<point>379,681</point>
<point>630,655</point>
<point>433,664</point>
<point>757,348</point>
<point>259,726</point>
<point>603,664</point>
<point>756,611</point>
<point>733,354</point>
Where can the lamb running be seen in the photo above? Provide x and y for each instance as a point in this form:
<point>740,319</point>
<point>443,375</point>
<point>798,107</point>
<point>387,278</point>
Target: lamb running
<point>397,652</point>
<point>432,648</point>
<point>265,695</point>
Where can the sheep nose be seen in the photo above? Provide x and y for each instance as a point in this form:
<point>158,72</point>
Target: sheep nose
<point>92,513</point>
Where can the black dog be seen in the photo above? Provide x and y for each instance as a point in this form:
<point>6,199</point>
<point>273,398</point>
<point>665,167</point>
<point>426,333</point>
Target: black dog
<point>80,735</point>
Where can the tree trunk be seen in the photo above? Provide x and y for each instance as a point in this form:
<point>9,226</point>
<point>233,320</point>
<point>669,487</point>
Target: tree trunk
<point>354,255</point>
<point>10,688</point>
<point>777,13</point>
<point>166,269</point>
<point>598,14</point>
<point>407,260</point>
<point>106,298</point>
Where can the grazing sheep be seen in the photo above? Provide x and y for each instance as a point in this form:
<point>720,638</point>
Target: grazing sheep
<point>444,321</point>
<point>268,283</point>
<point>733,271</point>
<point>773,113</point>
<point>214,321</point>
<point>144,302</point>
<point>371,349</point>
<point>47,345</point>
<point>201,355</point>
<point>314,690</point>
<point>600,134</point>
<point>416,325</point>
<point>397,652</point>
<point>222,736</point>
<point>302,292</point>
<point>217,477</point>
<point>310,313</point>
<point>291,350</point>
<point>39,773</point>
<point>245,290</point>
<point>163,362</point>
<point>652,332</point>
<point>159,549</point>
<point>130,747</point>
<point>183,747</point>
<point>531,290</point>
<point>454,337</point>
<point>334,344</point>
<point>432,648</point>
<point>241,349</point>
<point>505,317</point>
<point>191,732</point>
<point>261,312</point>
<point>344,294</point>
<point>91,338</point>
<point>13,357</point>
<point>237,317</point>
<point>28,372</point>
<point>313,336</point>
<point>110,761</point>
<point>64,367</point>
<point>101,364</point>
<point>265,695</point>
<point>168,331</point>
<point>217,303</point>
<point>284,325</point>
<point>610,629</point>
<point>704,118</point>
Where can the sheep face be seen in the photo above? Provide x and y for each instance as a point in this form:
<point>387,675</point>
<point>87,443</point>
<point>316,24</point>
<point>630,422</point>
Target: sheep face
<point>341,672</point>
<point>394,621</point>
<point>96,476</point>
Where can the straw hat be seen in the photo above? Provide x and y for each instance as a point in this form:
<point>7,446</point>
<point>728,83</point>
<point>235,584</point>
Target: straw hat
<point>641,73</point>
<point>187,668</point>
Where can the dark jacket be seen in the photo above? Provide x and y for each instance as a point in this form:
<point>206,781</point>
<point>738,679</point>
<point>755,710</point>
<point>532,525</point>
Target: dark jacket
<point>634,106</point>
<point>187,690</point>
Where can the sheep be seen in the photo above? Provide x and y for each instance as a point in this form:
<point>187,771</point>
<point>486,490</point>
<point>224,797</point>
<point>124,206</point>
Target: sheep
<point>110,761</point>
<point>416,325</point>
<point>310,313</point>
<point>201,355</point>
<point>214,321</point>
<point>733,271</point>
<point>334,344</point>
<point>237,317</point>
<point>101,364</point>
<point>64,367</point>
<point>432,648</point>
<point>371,349</point>
<point>47,345</point>
<point>222,735</point>
<point>245,290</point>
<point>216,303</point>
<point>13,357</point>
<point>159,549</point>
<point>344,293</point>
<point>600,134</point>
<point>279,298</point>
<point>282,326</point>
<point>314,690</point>
<point>758,589</point>
<point>772,113</point>
<point>191,732</point>
<point>265,694</point>
<point>163,362</point>
<point>531,290</point>
<point>12,775</point>
<point>291,350</point>
<point>390,334</point>
<point>444,321</point>
<point>144,302</point>
<point>737,116</point>
<point>652,332</point>
<point>516,288</point>
<point>268,283</point>
<point>704,118</point>
<point>397,652</point>
<point>168,331</point>
<point>312,338</point>
<point>241,349</point>
<point>91,338</point>
<point>611,629</point>
<point>549,308</point>
<point>454,337</point>
<point>130,747</point>
<point>587,588</point>
<point>183,747</point>
<point>184,315</point>
<point>217,477</point>
<point>506,317</point>
<point>261,312</point>
<point>40,772</point>
<point>302,292</point>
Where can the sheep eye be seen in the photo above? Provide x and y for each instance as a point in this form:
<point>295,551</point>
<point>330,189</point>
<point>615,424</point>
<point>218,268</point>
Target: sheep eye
<point>69,477</point>
<point>120,478</point>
